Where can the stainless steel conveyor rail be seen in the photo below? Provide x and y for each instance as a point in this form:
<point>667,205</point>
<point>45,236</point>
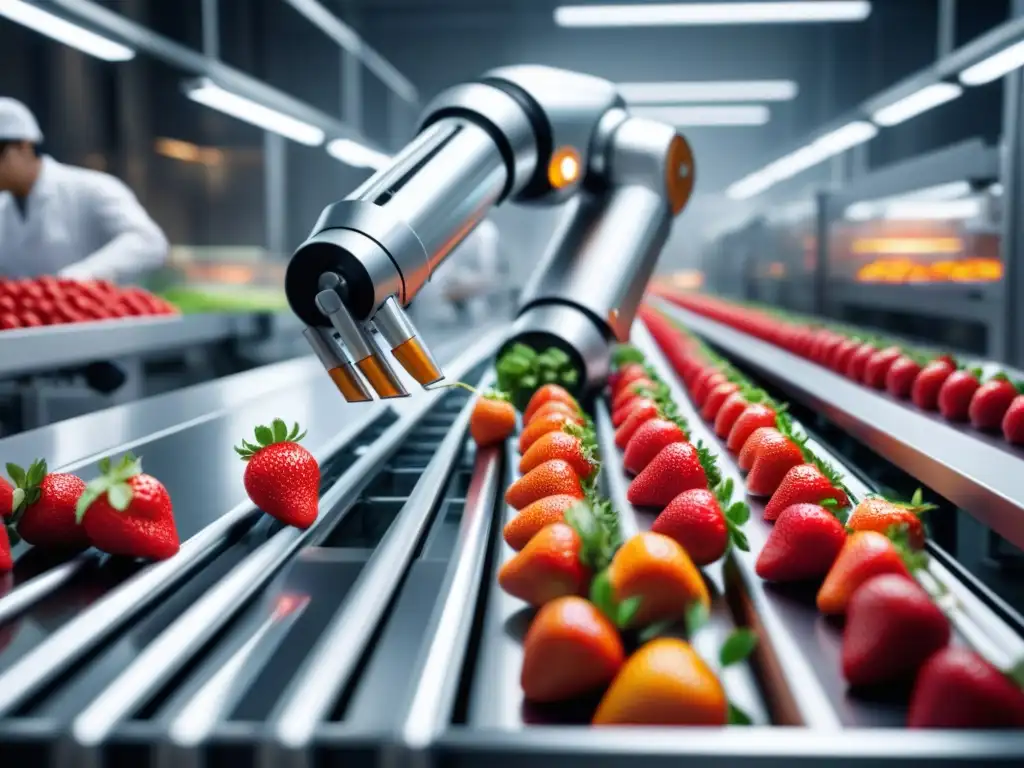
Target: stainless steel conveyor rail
<point>980,474</point>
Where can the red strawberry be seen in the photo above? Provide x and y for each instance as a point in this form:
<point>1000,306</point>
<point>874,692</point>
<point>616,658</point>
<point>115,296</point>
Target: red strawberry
<point>626,375</point>
<point>729,413</point>
<point>675,469</point>
<point>840,356</point>
<point>892,628</point>
<point>751,448</point>
<point>647,442</point>
<point>957,688</point>
<point>899,380</point>
<point>803,544</point>
<point>1013,422</point>
<point>6,561</point>
<point>715,399</point>
<point>281,477</point>
<point>619,416</point>
<point>638,388</point>
<point>805,484</point>
<point>6,498</point>
<point>44,507</point>
<point>752,419</point>
<point>991,402</point>
<point>698,523</point>
<point>858,361</point>
<point>641,413</point>
<point>706,385</point>
<point>925,392</point>
<point>956,393</point>
<point>125,512</point>
<point>878,365</point>
<point>773,461</point>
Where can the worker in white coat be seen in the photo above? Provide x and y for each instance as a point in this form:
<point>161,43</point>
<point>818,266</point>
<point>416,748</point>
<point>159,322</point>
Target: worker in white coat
<point>57,219</point>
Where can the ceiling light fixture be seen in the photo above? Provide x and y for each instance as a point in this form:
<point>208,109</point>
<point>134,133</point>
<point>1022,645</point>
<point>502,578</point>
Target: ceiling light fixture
<point>204,91</point>
<point>685,14</point>
<point>64,31</point>
<point>357,155</point>
<point>708,91</point>
<point>916,103</point>
<point>740,114</point>
<point>995,66</point>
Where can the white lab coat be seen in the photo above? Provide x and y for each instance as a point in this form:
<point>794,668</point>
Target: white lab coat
<point>78,223</point>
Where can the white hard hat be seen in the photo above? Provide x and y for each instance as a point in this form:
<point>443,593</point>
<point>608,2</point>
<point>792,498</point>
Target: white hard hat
<point>17,123</point>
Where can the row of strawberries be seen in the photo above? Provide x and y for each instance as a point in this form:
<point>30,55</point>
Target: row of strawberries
<point>932,383</point>
<point>126,512</point>
<point>865,563</point>
<point>601,602</point>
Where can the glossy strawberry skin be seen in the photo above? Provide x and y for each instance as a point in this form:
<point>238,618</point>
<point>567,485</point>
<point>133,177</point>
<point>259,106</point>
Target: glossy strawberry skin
<point>675,469</point>
<point>773,462</point>
<point>990,404</point>
<point>877,367</point>
<point>648,441</point>
<point>957,688</point>
<point>753,418</point>
<point>899,380</point>
<point>803,544</point>
<point>706,385</point>
<point>729,413</point>
<point>925,392</point>
<point>955,395</point>
<point>50,522</point>
<point>694,519</point>
<point>892,628</point>
<point>6,561</point>
<point>716,398</point>
<point>283,480</point>
<point>6,498</point>
<point>840,357</point>
<point>620,415</point>
<point>146,529</point>
<point>858,362</point>
<point>803,484</point>
<point>1013,422</point>
<point>640,414</point>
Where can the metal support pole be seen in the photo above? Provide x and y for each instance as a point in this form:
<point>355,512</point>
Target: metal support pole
<point>1012,173</point>
<point>820,276</point>
<point>947,28</point>
<point>211,28</point>
<point>275,183</point>
<point>352,90</point>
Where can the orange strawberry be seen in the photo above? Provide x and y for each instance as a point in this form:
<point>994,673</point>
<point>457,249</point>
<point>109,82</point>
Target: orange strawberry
<point>493,419</point>
<point>566,444</point>
<point>571,649</point>
<point>881,515</point>
<point>761,437</point>
<point>547,394</point>
<point>548,479</point>
<point>554,406</point>
<point>552,422</point>
<point>657,570</point>
<point>665,682</point>
<point>548,567</point>
<point>540,514</point>
<point>864,555</point>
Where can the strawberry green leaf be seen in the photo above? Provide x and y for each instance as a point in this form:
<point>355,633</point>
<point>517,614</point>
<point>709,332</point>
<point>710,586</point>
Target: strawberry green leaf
<point>914,559</point>
<point>737,716</point>
<point>13,537</point>
<point>918,498</point>
<point>581,518</point>
<point>17,474</point>
<point>570,378</point>
<point>626,353</point>
<point>602,595</point>
<point>1016,674</point>
<point>120,496</point>
<point>738,513</point>
<point>709,464</point>
<point>112,482</point>
<point>828,503</point>
<point>17,499</point>
<point>696,617</point>
<point>36,473</point>
<point>264,435</point>
<point>277,432</point>
<point>737,647</point>
<point>656,629</point>
<point>738,539</point>
<point>627,611</point>
<point>724,491</point>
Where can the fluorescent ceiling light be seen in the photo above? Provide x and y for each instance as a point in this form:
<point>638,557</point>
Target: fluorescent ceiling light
<point>651,15</point>
<point>355,154</point>
<point>208,93</point>
<point>920,101</point>
<point>948,191</point>
<point>995,66</point>
<point>708,91</point>
<point>750,114</point>
<point>834,143</point>
<point>64,31</point>
<point>934,210</point>
<point>873,209</point>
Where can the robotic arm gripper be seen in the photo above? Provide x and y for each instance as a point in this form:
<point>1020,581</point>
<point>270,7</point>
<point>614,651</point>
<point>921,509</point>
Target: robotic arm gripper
<point>529,134</point>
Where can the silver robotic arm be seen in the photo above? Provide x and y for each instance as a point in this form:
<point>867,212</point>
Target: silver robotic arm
<point>529,134</point>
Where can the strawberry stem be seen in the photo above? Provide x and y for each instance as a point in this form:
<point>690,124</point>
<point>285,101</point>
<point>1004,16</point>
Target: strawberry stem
<point>112,482</point>
<point>277,432</point>
<point>26,488</point>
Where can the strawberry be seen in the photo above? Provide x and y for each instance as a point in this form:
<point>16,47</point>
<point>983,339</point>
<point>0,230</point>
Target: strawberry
<point>775,457</point>
<point>493,419</point>
<point>1013,422</point>
<point>540,514</point>
<point>571,649</point>
<point>648,441</point>
<point>44,507</point>
<point>705,386</point>
<point>716,398</point>
<point>552,422</point>
<point>882,515</point>
<point>6,560</point>
<point>805,484</point>
<point>925,392</point>
<point>899,380</point>
<point>571,444</point>
<point>991,402</point>
<point>733,408</point>
<point>678,467</point>
<point>957,688</point>
<point>554,407</point>
<point>548,567</point>
<point>620,416</point>
<point>858,361</point>
<point>841,355</point>
<point>626,375</point>
<point>281,477</point>
<point>878,365</point>
<point>864,555</point>
<point>639,388</point>
<point>696,520</point>
<point>752,419</point>
<point>547,394</point>
<point>803,544</point>
<point>892,628</point>
<point>642,412</point>
<point>6,499</point>
<point>126,512</point>
<point>553,477</point>
<point>956,393</point>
